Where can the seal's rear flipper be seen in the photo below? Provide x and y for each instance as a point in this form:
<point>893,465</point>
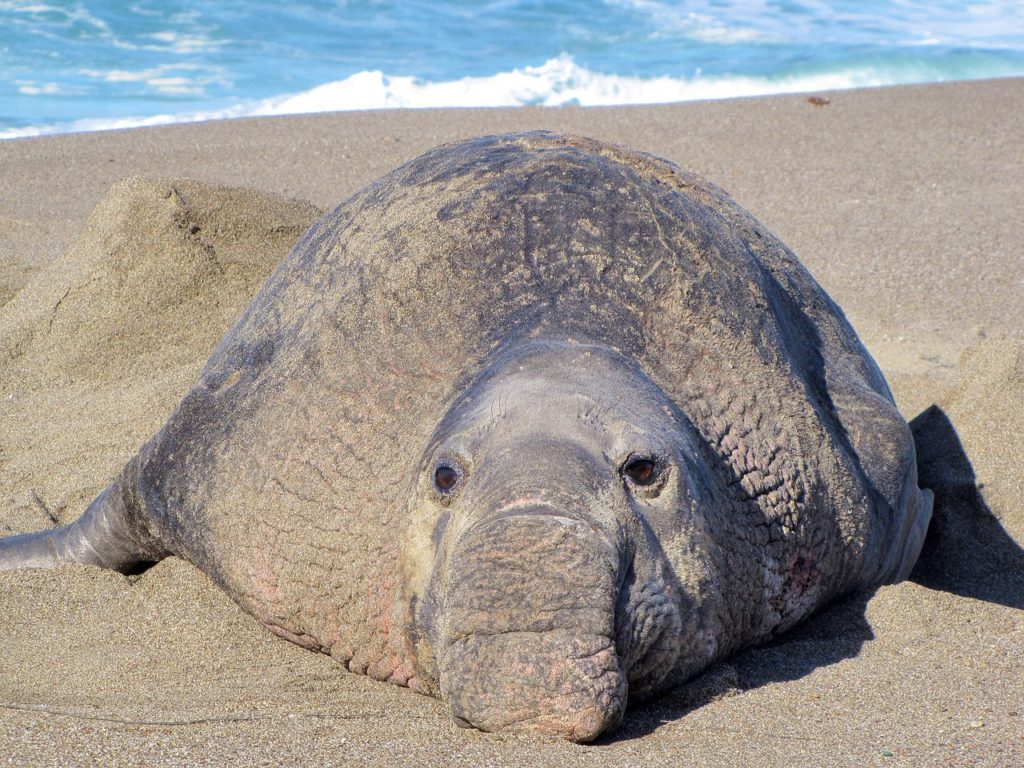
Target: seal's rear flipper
<point>107,535</point>
<point>907,546</point>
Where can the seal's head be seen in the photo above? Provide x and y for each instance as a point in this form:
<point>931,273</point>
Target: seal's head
<point>554,562</point>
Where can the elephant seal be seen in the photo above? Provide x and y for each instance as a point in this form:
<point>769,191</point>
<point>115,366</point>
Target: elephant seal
<point>533,423</point>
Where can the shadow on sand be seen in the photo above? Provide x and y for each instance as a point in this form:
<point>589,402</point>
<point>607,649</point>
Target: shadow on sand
<point>967,552</point>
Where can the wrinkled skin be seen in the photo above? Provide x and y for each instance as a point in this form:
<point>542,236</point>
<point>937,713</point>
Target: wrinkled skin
<point>554,590</point>
<point>535,424</point>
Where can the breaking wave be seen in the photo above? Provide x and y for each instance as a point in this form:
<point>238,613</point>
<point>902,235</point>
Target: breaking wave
<point>557,82</point>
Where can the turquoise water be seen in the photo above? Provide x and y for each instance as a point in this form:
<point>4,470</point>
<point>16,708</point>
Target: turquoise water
<point>96,64</point>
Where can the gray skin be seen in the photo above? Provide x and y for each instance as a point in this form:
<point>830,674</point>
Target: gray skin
<point>534,423</point>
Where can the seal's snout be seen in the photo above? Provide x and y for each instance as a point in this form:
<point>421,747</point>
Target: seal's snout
<point>526,639</point>
<point>556,683</point>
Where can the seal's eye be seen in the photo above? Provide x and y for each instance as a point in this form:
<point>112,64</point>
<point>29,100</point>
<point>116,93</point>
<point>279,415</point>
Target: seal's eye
<point>445,478</point>
<point>641,471</point>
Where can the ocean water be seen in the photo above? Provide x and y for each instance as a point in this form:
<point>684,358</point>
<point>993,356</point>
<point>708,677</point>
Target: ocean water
<point>71,65</point>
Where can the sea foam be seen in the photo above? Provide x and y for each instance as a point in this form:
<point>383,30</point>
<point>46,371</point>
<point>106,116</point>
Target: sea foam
<point>557,82</point>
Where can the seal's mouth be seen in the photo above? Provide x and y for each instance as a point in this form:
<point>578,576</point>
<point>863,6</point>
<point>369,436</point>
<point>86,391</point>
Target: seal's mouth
<point>556,683</point>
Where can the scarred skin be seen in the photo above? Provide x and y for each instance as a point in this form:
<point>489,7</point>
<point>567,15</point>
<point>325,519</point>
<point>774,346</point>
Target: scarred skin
<point>535,424</point>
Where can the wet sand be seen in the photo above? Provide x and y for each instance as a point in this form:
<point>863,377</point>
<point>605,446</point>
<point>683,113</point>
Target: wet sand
<point>905,203</point>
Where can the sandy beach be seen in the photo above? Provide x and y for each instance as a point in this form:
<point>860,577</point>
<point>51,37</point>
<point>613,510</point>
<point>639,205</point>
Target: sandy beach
<point>906,204</point>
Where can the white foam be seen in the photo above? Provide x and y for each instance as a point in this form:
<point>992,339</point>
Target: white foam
<point>557,82</point>
<point>177,42</point>
<point>979,24</point>
<point>31,88</point>
<point>171,79</point>
<point>721,22</point>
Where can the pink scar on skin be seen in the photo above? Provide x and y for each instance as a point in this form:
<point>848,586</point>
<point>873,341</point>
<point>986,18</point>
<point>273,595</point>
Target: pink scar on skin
<point>260,568</point>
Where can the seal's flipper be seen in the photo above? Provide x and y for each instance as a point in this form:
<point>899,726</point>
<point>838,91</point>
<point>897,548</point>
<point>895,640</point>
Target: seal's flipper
<point>907,546</point>
<point>107,535</point>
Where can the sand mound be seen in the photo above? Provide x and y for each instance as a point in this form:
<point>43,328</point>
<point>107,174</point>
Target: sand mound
<point>97,349</point>
<point>158,274</point>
